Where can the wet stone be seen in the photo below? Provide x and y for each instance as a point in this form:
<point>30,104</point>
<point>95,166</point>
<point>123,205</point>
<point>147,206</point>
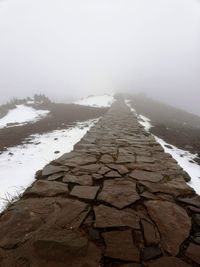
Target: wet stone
<point>145,159</point>
<point>166,197</point>
<point>149,195</point>
<point>51,169</point>
<point>168,262</point>
<point>22,262</point>
<point>84,159</point>
<point>11,235</point>
<point>193,209</point>
<point>165,215</point>
<point>145,166</point>
<point>22,219</point>
<point>66,156</point>
<point>125,159</point>
<point>92,168</point>
<point>106,159</point>
<point>112,174</point>
<point>146,176</point>
<point>71,213</point>
<point>150,253</point>
<point>120,168</point>
<point>103,170</point>
<point>97,176</point>
<point>119,245</point>
<point>193,252</point>
<point>60,245</point>
<point>81,179</point>
<point>47,189</point>
<point>128,265</point>
<point>176,187</point>
<point>196,238</point>
<point>119,192</point>
<point>151,234</point>
<point>56,176</point>
<point>85,192</point>
<point>194,201</point>
<point>196,219</point>
<point>110,217</point>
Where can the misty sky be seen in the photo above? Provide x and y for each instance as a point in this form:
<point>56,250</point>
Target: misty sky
<point>71,48</point>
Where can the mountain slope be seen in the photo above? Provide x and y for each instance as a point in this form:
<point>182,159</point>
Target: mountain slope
<point>175,126</point>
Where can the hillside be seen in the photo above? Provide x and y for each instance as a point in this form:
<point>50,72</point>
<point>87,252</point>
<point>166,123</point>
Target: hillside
<point>59,116</point>
<point>175,126</point>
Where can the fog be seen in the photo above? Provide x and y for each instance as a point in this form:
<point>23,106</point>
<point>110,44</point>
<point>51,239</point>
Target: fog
<point>68,49</point>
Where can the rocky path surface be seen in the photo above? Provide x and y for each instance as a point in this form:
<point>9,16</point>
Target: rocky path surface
<point>117,200</point>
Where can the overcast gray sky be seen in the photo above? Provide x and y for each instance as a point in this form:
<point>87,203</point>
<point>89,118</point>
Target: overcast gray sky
<point>71,48</point>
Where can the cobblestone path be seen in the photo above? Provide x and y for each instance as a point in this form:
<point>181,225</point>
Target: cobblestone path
<point>116,200</point>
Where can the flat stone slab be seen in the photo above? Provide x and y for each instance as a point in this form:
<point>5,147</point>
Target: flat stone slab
<point>47,189</point>
<point>173,224</point>
<point>153,177</point>
<point>176,187</point>
<point>81,160</point>
<point>120,168</point>
<point>103,170</point>
<point>168,262</point>
<point>51,169</point>
<point>151,234</point>
<point>106,159</point>
<point>91,168</point>
<point>119,192</point>
<point>145,159</point>
<point>193,252</point>
<point>71,213</point>
<point>151,252</point>
<point>68,246</point>
<point>122,159</point>
<point>29,214</point>
<point>129,265</point>
<point>194,201</point>
<point>119,245</point>
<point>55,176</point>
<point>86,192</point>
<point>97,176</point>
<point>69,243</point>
<point>80,179</point>
<point>106,217</point>
<point>112,174</point>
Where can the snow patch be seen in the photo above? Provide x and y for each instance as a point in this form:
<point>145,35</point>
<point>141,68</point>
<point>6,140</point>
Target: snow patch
<point>96,101</point>
<point>184,158</point>
<point>21,115</point>
<point>19,164</point>
<point>144,121</point>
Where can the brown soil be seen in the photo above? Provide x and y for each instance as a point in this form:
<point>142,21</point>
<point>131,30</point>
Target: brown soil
<point>175,126</point>
<point>61,116</point>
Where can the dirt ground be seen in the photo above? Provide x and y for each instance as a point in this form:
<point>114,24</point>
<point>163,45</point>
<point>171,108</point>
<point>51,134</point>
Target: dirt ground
<point>175,126</point>
<point>61,116</point>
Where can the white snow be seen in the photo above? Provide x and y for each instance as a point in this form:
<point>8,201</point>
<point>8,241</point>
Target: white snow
<point>30,102</point>
<point>145,122</point>
<point>183,157</point>
<point>21,115</point>
<point>17,171</point>
<point>97,101</point>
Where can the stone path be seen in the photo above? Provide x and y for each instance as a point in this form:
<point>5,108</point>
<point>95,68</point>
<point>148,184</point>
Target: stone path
<point>116,200</point>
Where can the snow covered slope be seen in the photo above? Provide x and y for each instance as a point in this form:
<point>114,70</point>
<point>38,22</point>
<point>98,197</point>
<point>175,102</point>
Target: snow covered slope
<point>184,158</point>
<point>97,101</point>
<point>21,115</point>
<point>19,164</point>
